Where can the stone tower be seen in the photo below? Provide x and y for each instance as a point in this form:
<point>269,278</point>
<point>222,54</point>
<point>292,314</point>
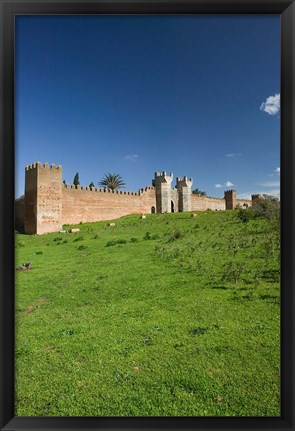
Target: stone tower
<point>230,197</point>
<point>184,188</point>
<point>43,198</point>
<point>256,198</point>
<point>162,184</point>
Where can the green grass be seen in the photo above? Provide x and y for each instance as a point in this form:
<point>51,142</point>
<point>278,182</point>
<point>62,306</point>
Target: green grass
<point>164,316</point>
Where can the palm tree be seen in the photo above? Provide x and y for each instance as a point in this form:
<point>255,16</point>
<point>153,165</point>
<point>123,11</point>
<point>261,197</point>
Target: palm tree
<point>112,181</point>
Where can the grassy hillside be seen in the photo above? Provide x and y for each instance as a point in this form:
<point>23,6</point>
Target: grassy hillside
<point>164,316</point>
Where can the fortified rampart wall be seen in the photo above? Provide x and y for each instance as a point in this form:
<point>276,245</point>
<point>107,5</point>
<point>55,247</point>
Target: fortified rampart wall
<point>81,205</point>
<point>48,204</point>
<point>202,203</point>
<point>244,202</point>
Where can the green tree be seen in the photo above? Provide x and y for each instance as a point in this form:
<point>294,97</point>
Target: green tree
<point>268,207</point>
<point>76,181</point>
<point>112,181</point>
<point>199,192</point>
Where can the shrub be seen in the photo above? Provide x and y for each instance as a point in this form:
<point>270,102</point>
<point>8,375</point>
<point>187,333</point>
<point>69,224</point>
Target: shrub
<point>133,239</point>
<point>175,235</point>
<point>79,238</point>
<point>245,215</point>
<point>232,271</point>
<point>121,241</point>
<point>148,236</point>
<point>114,242</point>
<point>58,238</point>
<point>198,331</point>
<point>268,207</point>
<point>81,247</point>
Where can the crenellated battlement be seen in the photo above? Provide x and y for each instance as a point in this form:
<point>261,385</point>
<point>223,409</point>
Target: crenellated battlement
<point>43,166</point>
<point>183,182</point>
<point>162,177</point>
<point>184,179</point>
<point>105,190</point>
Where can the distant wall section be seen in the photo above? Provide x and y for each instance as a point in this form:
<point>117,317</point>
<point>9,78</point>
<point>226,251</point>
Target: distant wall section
<point>202,203</point>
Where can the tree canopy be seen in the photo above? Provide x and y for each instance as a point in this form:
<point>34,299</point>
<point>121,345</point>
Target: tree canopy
<point>199,192</point>
<point>76,181</point>
<point>112,181</point>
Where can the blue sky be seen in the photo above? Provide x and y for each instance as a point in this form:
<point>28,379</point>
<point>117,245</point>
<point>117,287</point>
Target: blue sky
<point>194,95</point>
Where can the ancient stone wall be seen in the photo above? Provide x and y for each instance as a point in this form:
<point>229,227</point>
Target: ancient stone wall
<point>202,203</point>
<point>85,205</point>
<point>48,203</point>
<point>244,203</point>
<point>174,201</point>
<point>162,184</point>
<point>43,198</point>
<point>230,197</point>
<point>184,188</point>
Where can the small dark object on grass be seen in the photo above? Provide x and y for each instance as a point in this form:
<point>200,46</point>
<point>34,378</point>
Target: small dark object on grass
<point>24,267</point>
<point>82,247</point>
<point>39,252</point>
<point>114,242</point>
<point>198,331</point>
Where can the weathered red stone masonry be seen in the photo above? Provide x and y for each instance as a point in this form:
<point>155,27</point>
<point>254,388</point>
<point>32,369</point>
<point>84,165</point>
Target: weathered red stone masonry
<point>48,204</point>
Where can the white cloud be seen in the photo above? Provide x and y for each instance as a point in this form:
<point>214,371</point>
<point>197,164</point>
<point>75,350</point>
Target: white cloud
<point>270,184</point>
<point>233,155</point>
<point>246,195</point>
<point>271,105</point>
<point>227,184</point>
<point>272,192</point>
<point>132,157</point>
<point>277,171</point>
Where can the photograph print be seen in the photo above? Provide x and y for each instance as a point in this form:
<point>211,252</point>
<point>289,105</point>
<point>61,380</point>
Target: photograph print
<point>147,214</point>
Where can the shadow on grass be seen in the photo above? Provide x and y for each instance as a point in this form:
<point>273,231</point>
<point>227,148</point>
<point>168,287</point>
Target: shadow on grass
<point>218,287</point>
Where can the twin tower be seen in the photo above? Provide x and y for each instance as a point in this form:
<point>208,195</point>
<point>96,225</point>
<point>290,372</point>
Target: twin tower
<point>172,200</point>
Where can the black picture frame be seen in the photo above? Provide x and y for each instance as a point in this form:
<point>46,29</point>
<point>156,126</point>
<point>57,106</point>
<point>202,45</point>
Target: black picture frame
<point>8,10</point>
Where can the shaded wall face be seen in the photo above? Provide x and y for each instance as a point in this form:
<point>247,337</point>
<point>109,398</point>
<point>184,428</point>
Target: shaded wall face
<point>91,206</point>
<point>175,200</point>
<point>203,203</point>
<point>31,201</point>
<point>49,203</point>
